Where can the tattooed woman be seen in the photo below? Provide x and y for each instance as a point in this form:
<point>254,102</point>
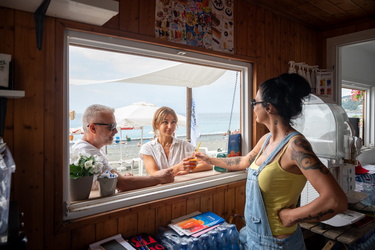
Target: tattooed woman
<point>278,167</point>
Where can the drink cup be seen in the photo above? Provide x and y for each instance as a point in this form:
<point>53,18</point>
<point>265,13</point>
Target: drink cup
<point>193,164</point>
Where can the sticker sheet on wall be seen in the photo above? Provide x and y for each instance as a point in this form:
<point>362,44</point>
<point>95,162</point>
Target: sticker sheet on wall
<point>324,83</point>
<point>202,23</point>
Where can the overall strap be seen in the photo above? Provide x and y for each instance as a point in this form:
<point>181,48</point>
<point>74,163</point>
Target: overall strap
<point>276,151</point>
<point>265,142</point>
<point>264,145</point>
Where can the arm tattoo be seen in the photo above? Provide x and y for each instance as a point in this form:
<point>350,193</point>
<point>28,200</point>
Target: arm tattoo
<point>252,158</point>
<point>316,217</point>
<point>306,160</point>
<point>232,161</point>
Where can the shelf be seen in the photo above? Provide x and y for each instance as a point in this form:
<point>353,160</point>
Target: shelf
<point>12,93</point>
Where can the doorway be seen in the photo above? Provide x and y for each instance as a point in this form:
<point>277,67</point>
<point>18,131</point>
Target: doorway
<point>353,57</point>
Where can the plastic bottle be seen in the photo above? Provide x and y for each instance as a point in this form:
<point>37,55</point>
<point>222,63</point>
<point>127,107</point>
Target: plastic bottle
<point>205,242</point>
<point>368,189</point>
<point>224,238</point>
<point>194,244</point>
<point>215,242</point>
<point>234,238</point>
<point>183,245</point>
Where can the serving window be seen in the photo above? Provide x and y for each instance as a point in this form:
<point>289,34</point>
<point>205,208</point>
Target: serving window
<point>110,71</point>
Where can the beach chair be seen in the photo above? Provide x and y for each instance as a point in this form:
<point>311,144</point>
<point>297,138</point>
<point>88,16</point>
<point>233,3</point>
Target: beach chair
<point>139,162</point>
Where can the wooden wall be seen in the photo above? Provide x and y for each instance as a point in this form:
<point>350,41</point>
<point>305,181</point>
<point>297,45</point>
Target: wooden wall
<point>33,124</point>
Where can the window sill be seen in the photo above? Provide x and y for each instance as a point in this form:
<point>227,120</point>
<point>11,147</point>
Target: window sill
<point>183,184</point>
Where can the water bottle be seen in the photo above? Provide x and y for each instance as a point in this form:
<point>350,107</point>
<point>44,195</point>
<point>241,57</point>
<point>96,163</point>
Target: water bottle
<point>224,238</point>
<point>234,238</point>
<point>215,242</point>
<point>183,245</point>
<point>195,244</point>
<point>368,189</point>
<point>204,241</point>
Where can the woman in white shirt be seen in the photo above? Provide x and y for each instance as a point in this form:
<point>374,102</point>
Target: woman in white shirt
<point>166,151</point>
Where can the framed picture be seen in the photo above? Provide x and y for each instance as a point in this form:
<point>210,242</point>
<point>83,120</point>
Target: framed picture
<point>6,71</point>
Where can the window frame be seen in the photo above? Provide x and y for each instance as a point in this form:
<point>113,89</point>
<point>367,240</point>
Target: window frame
<point>366,113</point>
<point>334,48</point>
<point>139,196</point>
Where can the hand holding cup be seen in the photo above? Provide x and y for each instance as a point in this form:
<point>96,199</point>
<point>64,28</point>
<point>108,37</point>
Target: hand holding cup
<point>192,163</point>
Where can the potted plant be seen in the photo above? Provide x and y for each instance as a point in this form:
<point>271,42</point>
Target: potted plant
<point>83,167</point>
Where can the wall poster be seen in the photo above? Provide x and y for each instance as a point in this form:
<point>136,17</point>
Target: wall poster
<point>201,23</point>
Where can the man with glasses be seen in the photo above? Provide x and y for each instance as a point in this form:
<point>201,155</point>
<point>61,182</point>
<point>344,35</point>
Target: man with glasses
<point>99,125</point>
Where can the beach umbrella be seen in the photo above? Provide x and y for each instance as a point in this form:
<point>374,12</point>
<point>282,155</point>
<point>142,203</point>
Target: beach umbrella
<point>184,75</point>
<point>140,114</point>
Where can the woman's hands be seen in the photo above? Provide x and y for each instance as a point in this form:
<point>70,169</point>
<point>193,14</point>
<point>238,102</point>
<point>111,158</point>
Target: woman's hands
<point>283,216</point>
<point>203,157</point>
<point>185,165</point>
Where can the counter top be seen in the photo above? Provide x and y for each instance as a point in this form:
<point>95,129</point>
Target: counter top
<point>179,178</point>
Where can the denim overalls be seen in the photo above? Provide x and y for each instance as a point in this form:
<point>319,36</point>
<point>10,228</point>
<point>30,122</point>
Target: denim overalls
<point>257,233</point>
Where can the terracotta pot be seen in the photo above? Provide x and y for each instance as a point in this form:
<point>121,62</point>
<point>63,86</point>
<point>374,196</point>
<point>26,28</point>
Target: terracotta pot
<point>80,188</point>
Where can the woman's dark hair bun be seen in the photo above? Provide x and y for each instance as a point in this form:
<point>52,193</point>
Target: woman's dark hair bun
<point>286,93</point>
<point>297,84</point>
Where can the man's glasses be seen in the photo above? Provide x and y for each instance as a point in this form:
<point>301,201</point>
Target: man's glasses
<point>254,102</point>
<point>111,126</point>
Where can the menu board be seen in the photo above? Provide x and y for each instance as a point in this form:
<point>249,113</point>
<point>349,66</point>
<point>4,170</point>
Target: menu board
<point>201,23</point>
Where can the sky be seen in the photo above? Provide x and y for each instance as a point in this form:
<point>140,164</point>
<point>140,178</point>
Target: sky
<point>96,65</point>
<point>345,92</point>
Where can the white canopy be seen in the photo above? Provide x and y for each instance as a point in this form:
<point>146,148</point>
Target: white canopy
<point>184,75</point>
<point>140,114</point>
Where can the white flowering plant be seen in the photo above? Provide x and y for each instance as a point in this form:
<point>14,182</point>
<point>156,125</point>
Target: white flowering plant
<point>83,164</point>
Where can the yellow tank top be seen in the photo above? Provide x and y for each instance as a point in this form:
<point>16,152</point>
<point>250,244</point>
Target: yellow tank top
<point>280,189</point>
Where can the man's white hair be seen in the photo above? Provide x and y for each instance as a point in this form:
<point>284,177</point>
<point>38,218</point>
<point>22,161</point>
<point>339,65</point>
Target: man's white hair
<point>92,112</point>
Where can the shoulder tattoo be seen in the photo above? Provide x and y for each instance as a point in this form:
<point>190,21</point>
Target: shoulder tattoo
<point>303,154</point>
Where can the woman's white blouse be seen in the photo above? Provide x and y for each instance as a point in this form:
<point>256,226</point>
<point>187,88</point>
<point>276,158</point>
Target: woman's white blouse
<point>179,150</point>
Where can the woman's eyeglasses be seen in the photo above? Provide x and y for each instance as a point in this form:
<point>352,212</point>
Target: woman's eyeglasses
<point>111,126</point>
<point>254,102</point>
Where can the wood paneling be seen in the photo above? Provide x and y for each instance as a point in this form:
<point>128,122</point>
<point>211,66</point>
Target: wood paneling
<point>322,14</point>
<point>29,114</point>
<point>7,47</point>
<point>33,125</point>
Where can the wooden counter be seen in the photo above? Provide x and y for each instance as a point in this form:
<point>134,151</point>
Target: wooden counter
<point>179,178</point>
